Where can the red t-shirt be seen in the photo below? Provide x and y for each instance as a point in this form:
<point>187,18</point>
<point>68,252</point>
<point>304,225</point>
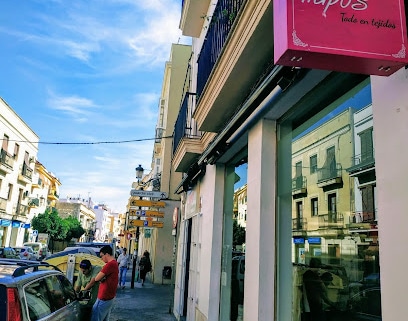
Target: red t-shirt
<point>107,288</point>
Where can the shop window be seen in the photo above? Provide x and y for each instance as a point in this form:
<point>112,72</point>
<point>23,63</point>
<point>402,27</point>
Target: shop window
<point>335,256</point>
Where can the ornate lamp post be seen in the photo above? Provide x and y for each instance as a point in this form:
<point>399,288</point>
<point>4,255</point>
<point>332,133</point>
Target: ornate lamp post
<point>139,176</point>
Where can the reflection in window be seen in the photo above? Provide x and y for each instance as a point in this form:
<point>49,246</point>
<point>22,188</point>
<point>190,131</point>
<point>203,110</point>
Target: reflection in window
<point>336,272</point>
<point>313,164</point>
<point>38,300</point>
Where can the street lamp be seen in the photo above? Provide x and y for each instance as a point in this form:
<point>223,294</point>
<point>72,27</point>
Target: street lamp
<point>139,176</point>
<point>139,172</point>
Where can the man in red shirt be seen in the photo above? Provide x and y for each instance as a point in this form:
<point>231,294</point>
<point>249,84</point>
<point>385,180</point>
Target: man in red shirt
<point>108,278</point>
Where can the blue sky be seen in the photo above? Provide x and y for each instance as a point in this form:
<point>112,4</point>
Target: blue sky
<point>88,71</point>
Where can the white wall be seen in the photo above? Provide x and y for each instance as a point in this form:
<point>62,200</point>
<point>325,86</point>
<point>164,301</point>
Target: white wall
<point>390,114</point>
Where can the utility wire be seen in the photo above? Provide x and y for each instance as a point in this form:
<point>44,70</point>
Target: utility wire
<point>89,143</point>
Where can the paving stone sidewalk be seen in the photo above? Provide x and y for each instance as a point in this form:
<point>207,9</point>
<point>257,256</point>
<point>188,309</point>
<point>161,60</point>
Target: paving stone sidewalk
<point>152,302</point>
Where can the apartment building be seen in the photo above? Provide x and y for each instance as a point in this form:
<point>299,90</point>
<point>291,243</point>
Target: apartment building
<point>160,241</point>
<point>19,149</point>
<point>262,107</point>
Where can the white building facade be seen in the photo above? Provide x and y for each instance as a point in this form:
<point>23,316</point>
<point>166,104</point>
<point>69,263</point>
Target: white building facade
<point>19,150</point>
<point>253,110</point>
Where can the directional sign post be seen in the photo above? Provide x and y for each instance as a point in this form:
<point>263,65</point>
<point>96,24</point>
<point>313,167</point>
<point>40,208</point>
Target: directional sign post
<point>141,223</point>
<point>145,203</point>
<point>143,213</point>
<point>153,194</point>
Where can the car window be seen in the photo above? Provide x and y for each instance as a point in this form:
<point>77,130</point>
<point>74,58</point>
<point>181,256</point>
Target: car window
<point>37,300</point>
<point>68,289</point>
<point>60,298</point>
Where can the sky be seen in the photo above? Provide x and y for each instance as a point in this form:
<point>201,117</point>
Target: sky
<point>88,72</point>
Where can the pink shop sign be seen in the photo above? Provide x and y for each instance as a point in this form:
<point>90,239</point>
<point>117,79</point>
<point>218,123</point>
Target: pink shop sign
<point>358,36</point>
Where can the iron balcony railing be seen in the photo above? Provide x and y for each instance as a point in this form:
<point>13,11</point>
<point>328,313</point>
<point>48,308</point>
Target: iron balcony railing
<point>363,217</point>
<point>27,171</point>
<point>362,161</point>
<point>34,202</point>
<point>299,224</point>
<point>185,126</point>
<point>219,28</point>
<point>3,204</point>
<point>22,210</point>
<point>299,183</point>
<point>331,220</point>
<point>6,159</point>
<point>329,173</point>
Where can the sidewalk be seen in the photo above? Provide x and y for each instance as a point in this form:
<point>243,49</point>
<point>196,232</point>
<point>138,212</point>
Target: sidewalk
<point>151,302</point>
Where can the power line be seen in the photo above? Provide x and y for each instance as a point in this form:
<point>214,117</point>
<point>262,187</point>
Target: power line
<point>89,143</point>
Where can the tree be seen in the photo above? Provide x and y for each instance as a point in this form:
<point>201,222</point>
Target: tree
<point>238,234</point>
<point>74,228</point>
<point>58,229</point>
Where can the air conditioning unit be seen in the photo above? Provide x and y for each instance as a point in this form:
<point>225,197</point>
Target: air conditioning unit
<point>33,159</point>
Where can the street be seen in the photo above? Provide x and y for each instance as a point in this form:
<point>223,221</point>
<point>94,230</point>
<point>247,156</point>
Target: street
<point>148,303</point>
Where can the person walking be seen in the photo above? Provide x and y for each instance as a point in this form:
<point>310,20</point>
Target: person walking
<point>108,278</point>
<point>123,262</point>
<point>145,266</point>
<point>86,282</point>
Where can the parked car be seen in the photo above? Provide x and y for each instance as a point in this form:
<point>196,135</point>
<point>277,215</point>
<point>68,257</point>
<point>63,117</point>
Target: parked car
<point>30,290</point>
<point>25,252</point>
<point>41,250</point>
<point>8,253</point>
<point>365,305</point>
<point>96,246</point>
<point>73,250</point>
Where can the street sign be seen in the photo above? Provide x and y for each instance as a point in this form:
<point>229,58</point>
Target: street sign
<point>142,193</point>
<point>141,223</point>
<point>35,232</point>
<point>145,203</point>
<point>143,213</point>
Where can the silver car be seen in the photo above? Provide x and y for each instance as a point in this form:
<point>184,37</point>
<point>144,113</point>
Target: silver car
<point>31,291</point>
<point>25,252</point>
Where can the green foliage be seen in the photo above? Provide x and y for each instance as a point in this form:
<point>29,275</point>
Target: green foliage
<point>238,234</point>
<point>74,228</point>
<point>57,228</point>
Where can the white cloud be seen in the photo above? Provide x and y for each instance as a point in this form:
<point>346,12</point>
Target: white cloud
<point>76,107</point>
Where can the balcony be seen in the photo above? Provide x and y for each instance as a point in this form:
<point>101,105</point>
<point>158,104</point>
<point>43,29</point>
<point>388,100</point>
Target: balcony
<point>6,162</point>
<point>26,174</point>
<point>329,175</point>
<point>362,218</point>
<point>299,224</point>
<point>187,146</point>
<point>237,53</point>
<point>363,167</point>
<point>52,195</point>
<point>220,26</point>
<point>331,220</point>
<point>34,202</point>
<point>299,184</point>
<point>192,16</point>
<point>37,183</point>
<point>3,204</point>
<point>21,210</point>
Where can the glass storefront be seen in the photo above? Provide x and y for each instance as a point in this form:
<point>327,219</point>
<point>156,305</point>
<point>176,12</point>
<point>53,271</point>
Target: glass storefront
<point>334,238</point>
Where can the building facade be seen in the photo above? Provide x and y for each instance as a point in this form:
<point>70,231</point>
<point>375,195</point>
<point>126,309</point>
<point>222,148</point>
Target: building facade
<point>17,163</point>
<point>276,119</point>
<point>160,241</point>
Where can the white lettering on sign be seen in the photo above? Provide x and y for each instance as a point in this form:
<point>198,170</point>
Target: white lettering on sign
<point>357,5</point>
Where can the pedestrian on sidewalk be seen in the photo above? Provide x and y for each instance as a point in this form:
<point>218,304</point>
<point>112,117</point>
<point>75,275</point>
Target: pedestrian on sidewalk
<point>123,262</point>
<point>108,278</point>
<point>86,282</point>
<point>145,266</point>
